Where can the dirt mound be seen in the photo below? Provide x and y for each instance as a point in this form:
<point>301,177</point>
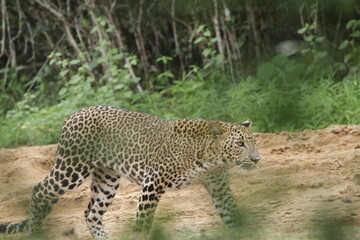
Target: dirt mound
<point>303,179</point>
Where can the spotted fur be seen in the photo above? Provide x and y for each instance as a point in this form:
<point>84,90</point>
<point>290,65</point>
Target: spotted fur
<point>109,143</point>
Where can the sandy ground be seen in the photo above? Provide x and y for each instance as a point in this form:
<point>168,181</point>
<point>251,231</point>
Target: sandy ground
<point>304,180</point>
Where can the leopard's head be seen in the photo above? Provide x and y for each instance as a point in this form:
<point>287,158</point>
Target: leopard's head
<point>235,143</point>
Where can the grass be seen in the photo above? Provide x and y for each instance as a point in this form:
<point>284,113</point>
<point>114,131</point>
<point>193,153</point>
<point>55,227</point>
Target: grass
<point>270,106</point>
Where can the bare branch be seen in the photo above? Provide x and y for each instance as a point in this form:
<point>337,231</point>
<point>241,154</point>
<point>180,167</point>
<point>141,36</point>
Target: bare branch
<point>61,17</point>
<point>45,63</point>
<point>31,41</point>
<point>253,26</point>
<point>119,41</point>
<point>10,40</point>
<point>117,29</point>
<point>154,2</point>
<point>6,73</point>
<point>68,7</point>
<point>217,32</point>
<point>301,15</point>
<point>19,20</point>
<point>46,5</point>
<point>3,27</point>
<point>139,40</point>
<point>98,31</point>
<point>176,40</point>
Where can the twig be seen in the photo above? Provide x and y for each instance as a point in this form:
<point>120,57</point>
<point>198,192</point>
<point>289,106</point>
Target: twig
<point>31,41</point>
<point>231,35</point>
<point>302,18</point>
<point>3,26</point>
<point>252,22</point>
<point>338,29</point>
<point>43,65</point>
<point>6,73</point>
<point>120,43</point>
<point>20,22</point>
<point>98,32</point>
<point>148,10</point>
<point>217,33</point>
<point>48,38</point>
<point>176,40</point>
<point>11,42</point>
<point>139,40</point>
<point>61,17</point>
<point>68,7</point>
<point>117,30</point>
<point>228,50</point>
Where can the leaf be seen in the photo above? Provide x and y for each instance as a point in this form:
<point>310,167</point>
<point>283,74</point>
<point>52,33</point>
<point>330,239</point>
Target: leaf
<point>110,29</point>
<point>304,29</point>
<point>63,72</point>
<point>355,34</point>
<point>207,33</point>
<point>135,80</point>
<point>320,39</point>
<point>51,55</point>
<point>114,51</point>
<point>309,38</point>
<point>305,50</point>
<point>104,42</point>
<point>214,40</point>
<point>102,59</point>
<point>75,79</point>
<point>167,74</point>
<point>200,28</point>
<point>95,29</point>
<point>344,44</point>
<point>265,71</point>
<point>64,63</point>
<point>321,54</point>
<point>164,59</point>
<point>52,61</point>
<point>312,27</point>
<point>62,91</point>
<point>350,23</point>
<point>207,52</point>
<point>119,86</point>
<point>74,62</point>
<point>279,60</point>
<point>347,57</point>
<point>198,40</point>
<point>340,66</point>
<point>127,94</point>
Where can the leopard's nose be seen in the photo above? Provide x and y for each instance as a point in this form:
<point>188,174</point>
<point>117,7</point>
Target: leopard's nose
<point>255,160</point>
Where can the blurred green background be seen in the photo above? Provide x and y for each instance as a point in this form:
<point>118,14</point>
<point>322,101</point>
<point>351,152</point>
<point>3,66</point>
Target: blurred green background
<point>288,65</point>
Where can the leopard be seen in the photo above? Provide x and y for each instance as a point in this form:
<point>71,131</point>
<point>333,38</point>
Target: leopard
<point>109,143</point>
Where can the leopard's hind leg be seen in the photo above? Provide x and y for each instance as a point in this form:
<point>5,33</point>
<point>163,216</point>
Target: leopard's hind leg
<point>66,174</point>
<point>104,184</point>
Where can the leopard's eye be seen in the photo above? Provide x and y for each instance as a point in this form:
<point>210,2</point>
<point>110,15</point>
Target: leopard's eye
<point>240,143</point>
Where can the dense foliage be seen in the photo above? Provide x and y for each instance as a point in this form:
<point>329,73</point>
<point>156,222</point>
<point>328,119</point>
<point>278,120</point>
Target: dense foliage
<point>211,59</point>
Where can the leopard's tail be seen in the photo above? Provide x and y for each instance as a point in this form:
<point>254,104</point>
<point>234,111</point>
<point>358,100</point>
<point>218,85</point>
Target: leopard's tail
<point>13,228</point>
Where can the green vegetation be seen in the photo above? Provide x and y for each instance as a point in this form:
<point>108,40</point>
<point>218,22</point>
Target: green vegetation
<point>219,65</point>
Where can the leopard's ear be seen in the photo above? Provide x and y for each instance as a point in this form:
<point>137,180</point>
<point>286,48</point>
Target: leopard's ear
<point>215,128</point>
<point>247,124</point>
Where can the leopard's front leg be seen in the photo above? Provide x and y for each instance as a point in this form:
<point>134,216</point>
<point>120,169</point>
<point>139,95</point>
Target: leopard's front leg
<point>151,192</point>
<point>218,186</point>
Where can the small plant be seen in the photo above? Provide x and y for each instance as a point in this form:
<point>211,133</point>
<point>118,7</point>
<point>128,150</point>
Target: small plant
<point>211,58</point>
<point>351,48</point>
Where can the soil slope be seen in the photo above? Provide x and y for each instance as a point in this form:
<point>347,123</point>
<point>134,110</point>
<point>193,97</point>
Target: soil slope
<point>304,179</point>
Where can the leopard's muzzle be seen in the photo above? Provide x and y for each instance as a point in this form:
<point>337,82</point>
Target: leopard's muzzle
<point>248,165</point>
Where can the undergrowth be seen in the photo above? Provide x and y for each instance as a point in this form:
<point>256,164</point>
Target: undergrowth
<point>272,105</point>
<point>283,93</point>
